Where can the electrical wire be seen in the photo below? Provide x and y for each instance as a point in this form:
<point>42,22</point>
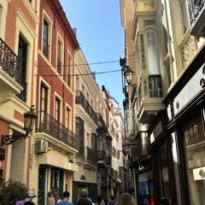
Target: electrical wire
<point>84,64</point>
<point>91,73</point>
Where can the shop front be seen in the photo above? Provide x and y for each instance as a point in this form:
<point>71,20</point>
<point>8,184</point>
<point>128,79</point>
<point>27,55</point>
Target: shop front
<point>145,186</point>
<point>186,116</point>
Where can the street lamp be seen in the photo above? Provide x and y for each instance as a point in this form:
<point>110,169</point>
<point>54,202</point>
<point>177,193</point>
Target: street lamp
<point>29,121</point>
<point>128,74</point>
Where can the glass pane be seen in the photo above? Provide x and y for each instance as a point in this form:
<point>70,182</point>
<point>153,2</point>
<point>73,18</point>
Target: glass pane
<point>163,171</point>
<point>194,141</point>
<point>145,187</point>
<point>152,52</point>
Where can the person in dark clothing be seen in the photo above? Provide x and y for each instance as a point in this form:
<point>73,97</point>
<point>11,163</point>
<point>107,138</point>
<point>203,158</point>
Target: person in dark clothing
<point>29,203</point>
<point>84,198</point>
<point>84,201</point>
<point>111,200</point>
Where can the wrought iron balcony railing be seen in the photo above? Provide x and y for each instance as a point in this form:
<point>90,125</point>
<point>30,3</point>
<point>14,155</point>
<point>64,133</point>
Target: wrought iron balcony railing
<point>9,62</point>
<point>101,156</point>
<point>195,7</point>
<point>100,119</point>
<point>52,127</point>
<point>91,155</point>
<point>80,99</point>
<point>155,86</point>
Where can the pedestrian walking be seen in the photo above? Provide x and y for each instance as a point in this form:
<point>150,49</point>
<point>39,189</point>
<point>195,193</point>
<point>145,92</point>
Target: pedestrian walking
<point>125,199</point>
<point>29,197</point>
<point>84,199</point>
<point>50,199</point>
<point>102,202</point>
<point>111,200</point>
<point>99,199</point>
<point>65,200</point>
<point>29,203</point>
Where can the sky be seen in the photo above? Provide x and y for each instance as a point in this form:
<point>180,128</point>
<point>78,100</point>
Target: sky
<point>101,38</point>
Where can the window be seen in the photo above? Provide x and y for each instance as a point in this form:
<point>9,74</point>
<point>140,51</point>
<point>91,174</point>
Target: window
<point>185,15</point>
<point>194,145</point>
<point>77,82</point>
<point>46,38</point>
<point>68,118</point>
<point>152,54</point>
<point>59,57</point>
<point>57,109</point>
<point>22,55</point>
<point>68,71</point>
<point>43,101</point>
<point>43,98</point>
<point>190,11</point>
<point>55,178</point>
<point>83,89</point>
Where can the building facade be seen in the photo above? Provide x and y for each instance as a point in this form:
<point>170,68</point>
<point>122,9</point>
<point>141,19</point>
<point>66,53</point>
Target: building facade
<point>54,144</point>
<point>18,52</point>
<point>87,99</point>
<point>116,128</point>
<point>168,108</point>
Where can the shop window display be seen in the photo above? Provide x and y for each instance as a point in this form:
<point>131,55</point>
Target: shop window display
<point>194,141</point>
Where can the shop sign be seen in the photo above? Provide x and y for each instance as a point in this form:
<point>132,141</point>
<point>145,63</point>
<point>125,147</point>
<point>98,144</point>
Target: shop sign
<point>199,173</point>
<point>190,90</point>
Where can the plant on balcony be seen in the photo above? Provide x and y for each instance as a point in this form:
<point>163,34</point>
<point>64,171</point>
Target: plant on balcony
<point>11,191</point>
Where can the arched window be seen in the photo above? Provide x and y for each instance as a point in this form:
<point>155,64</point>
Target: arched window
<point>152,51</point>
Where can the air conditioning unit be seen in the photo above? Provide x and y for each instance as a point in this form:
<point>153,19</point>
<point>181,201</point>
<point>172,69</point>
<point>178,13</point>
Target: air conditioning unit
<point>41,146</point>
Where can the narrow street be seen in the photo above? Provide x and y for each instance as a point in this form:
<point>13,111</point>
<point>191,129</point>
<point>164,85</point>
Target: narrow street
<point>102,103</point>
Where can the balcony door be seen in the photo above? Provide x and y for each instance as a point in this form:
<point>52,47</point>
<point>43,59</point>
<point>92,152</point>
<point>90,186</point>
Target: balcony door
<point>43,106</point>
<point>22,55</point>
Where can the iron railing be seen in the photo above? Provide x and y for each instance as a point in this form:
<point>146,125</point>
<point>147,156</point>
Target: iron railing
<point>195,7</point>
<point>80,99</point>
<point>101,156</point>
<point>100,119</point>
<point>52,127</point>
<point>155,86</point>
<point>9,62</point>
<point>91,155</point>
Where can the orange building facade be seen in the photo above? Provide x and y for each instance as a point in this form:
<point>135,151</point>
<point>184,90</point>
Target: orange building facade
<point>18,38</point>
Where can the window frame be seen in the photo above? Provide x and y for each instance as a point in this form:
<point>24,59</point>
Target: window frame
<point>58,97</point>
<point>68,124</point>
<point>50,29</point>
<point>68,78</point>
<point>61,43</point>
<point>150,69</point>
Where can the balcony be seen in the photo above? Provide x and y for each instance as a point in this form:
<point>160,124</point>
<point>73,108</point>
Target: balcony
<point>81,100</point>
<point>197,15</point>
<point>149,97</point>
<point>10,74</point>
<point>91,156</point>
<point>101,120</point>
<point>101,158</point>
<point>56,130</point>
